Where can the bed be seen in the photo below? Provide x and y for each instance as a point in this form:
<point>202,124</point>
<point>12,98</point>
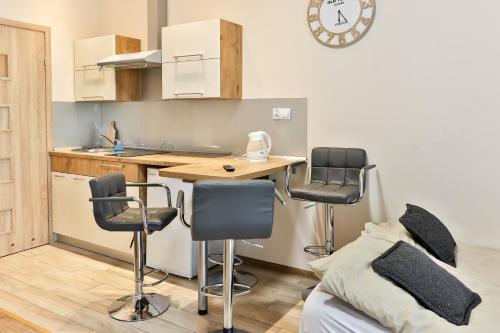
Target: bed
<point>325,313</point>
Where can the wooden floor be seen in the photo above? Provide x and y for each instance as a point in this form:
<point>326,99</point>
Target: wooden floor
<point>66,289</point>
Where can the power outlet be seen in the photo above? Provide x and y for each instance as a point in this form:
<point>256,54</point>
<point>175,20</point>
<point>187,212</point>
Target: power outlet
<point>282,113</point>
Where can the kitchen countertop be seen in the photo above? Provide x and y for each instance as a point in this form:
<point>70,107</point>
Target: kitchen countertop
<point>165,160</point>
<point>193,168</point>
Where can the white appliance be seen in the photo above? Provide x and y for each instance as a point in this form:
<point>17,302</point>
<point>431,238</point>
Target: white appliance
<point>259,146</point>
<point>172,249</point>
<point>140,60</point>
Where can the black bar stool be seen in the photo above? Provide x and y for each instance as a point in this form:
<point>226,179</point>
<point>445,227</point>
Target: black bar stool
<point>230,210</point>
<point>338,177</point>
<point>112,213</point>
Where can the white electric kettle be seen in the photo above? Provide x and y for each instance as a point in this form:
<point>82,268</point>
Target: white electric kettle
<point>258,147</point>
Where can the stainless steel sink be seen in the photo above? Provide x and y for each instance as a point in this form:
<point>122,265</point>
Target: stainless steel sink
<point>95,150</point>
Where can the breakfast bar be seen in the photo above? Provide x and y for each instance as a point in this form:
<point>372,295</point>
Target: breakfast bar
<point>185,166</point>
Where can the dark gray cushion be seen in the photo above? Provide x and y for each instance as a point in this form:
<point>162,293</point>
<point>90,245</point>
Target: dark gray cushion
<point>131,219</point>
<point>332,194</point>
<point>433,287</point>
<point>242,209</point>
<point>428,231</point>
<point>340,166</point>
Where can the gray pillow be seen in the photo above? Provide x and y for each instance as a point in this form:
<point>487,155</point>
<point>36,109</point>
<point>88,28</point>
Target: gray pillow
<point>432,286</point>
<point>428,231</point>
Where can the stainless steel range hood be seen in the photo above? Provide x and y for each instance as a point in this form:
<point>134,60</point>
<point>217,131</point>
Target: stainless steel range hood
<point>137,60</point>
<point>157,18</point>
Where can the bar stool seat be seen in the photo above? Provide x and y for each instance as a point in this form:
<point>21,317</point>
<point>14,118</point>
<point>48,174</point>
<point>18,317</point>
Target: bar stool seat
<point>326,193</point>
<point>131,219</point>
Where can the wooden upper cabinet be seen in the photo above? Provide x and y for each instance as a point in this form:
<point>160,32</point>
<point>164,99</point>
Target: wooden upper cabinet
<point>202,60</point>
<point>108,84</point>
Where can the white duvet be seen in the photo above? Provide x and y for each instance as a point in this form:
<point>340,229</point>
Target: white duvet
<point>348,275</point>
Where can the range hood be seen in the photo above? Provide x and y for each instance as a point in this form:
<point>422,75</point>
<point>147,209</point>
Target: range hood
<point>156,19</point>
<point>138,60</point>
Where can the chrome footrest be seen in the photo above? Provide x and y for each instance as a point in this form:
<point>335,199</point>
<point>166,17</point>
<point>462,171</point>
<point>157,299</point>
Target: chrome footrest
<point>157,282</point>
<point>218,259</point>
<point>318,250</point>
<point>217,290</point>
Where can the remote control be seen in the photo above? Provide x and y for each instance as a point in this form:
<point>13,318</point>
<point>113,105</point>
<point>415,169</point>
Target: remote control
<point>229,168</point>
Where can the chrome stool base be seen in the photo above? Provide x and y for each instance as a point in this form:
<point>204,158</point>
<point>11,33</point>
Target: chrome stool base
<point>319,250</point>
<point>217,290</point>
<point>239,277</point>
<point>130,309</point>
<point>229,330</point>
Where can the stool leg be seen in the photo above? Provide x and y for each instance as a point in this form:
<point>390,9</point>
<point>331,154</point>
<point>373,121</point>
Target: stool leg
<point>202,276</point>
<point>228,284</point>
<point>329,229</point>
<point>139,256</point>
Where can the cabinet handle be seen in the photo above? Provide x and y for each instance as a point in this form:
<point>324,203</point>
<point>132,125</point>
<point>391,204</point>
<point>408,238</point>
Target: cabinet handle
<point>176,57</point>
<point>112,166</point>
<point>78,179</point>
<point>58,176</point>
<point>188,93</point>
<point>88,97</point>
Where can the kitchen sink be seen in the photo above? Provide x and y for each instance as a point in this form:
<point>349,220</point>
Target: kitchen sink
<point>133,152</point>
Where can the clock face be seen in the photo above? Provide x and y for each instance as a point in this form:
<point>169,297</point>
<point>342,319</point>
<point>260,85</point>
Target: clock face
<point>340,23</point>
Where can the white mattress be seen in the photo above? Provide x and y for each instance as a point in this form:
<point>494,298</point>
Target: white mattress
<point>324,313</point>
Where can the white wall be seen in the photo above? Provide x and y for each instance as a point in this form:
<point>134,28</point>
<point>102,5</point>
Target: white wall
<point>125,17</point>
<point>69,20</point>
<point>420,92</point>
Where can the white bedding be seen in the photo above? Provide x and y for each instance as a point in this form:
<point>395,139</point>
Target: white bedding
<point>479,269</point>
<point>324,313</point>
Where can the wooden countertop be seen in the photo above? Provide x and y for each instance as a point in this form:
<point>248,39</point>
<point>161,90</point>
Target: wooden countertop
<point>213,169</point>
<point>190,168</point>
<point>165,160</point>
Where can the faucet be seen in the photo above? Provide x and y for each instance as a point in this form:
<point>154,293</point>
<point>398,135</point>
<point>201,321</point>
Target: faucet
<point>113,142</point>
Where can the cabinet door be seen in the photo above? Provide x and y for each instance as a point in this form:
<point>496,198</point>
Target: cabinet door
<point>95,85</point>
<point>62,214</point>
<point>191,79</point>
<point>89,51</point>
<point>191,41</point>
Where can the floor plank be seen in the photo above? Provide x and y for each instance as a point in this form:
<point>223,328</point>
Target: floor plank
<point>67,289</point>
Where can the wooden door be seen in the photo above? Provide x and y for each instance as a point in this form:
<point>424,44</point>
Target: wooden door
<point>24,210</point>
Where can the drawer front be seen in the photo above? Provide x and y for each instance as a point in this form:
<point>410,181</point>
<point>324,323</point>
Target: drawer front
<point>95,85</point>
<point>191,79</point>
<point>89,51</point>
<point>77,166</point>
<point>101,168</point>
<point>191,41</point>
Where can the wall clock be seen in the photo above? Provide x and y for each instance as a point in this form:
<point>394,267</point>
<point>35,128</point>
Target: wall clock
<point>340,23</point>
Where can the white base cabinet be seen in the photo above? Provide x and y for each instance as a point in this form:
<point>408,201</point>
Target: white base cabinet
<point>173,249</point>
<point>73,216</point>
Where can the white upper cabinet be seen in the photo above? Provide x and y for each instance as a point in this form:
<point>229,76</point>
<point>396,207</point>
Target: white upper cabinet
<point>202,60</point>
<point>89,51</point>
<point>108,84</point>
<point>191,41</point>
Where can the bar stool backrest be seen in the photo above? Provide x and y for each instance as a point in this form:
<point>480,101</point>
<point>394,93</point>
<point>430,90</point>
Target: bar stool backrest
<point>232,210</point>
<point>108,186</point>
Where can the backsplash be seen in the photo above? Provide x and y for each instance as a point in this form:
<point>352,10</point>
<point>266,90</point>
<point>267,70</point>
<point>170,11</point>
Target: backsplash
<point>185,123</point>
<point>209,123</point>
<point>76,124</point>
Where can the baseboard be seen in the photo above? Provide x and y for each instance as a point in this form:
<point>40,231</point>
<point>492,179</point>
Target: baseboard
<point>127,257</point>
<point>278,267</point>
